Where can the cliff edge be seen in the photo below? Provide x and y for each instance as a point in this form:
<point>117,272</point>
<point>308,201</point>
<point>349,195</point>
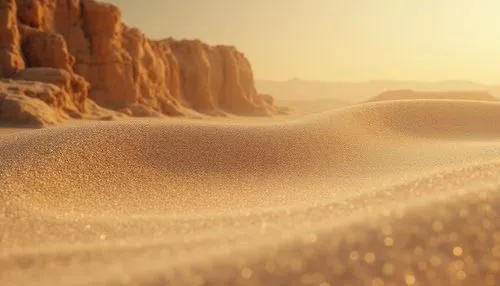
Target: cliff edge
<point>88,64</point>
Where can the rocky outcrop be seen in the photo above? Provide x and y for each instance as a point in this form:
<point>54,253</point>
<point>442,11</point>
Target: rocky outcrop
<point>19,109</point>
<point>83,48</point>
<point>45,49</point>
<point>73,98</point>
<point>38,103</point>
<point>217,78</point>
<point>30,103</point>
<point>11,59</point>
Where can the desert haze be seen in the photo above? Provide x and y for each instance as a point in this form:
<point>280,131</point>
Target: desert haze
<point>355,92</point>
<point>128,160</point>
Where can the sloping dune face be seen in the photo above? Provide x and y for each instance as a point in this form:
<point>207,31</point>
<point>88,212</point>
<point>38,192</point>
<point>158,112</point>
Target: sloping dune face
<point>389,193</point>
<point>446,95</point>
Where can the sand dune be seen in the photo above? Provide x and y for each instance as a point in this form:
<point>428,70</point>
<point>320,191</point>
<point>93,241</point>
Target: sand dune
<point>385,193</point>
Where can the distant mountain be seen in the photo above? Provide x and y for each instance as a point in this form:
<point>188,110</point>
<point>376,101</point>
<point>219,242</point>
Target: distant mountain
<point>410,94</point>
<point>297,89</point>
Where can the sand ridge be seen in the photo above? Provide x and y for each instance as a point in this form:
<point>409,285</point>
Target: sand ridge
<point>386,193</point>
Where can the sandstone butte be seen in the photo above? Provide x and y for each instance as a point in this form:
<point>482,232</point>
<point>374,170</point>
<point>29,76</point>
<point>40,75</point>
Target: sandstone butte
<point>63,59</point>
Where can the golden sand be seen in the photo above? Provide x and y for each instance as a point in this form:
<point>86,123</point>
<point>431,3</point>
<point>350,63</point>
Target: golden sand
<point>378,194</point>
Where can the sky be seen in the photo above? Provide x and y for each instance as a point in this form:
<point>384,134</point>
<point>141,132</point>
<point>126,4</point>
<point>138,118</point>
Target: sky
<point>338,40</point>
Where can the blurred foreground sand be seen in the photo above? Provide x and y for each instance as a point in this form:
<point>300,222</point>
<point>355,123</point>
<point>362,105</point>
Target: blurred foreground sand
<point>383,193</point>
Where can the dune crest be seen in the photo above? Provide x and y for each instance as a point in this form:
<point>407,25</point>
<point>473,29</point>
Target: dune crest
<point>382,193</point>
<point>83,46</point>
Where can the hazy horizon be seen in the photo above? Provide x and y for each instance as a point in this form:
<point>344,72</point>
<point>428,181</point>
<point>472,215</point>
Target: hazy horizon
<point>383,80</point>
<point>332,40</point>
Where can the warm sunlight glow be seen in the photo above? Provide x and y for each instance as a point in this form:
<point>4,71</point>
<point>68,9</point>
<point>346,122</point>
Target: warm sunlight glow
<point>340,39</point>
<point>250,142</point>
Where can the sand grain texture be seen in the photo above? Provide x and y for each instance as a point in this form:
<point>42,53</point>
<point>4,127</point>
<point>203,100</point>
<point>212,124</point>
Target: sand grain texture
<point>387,193</point>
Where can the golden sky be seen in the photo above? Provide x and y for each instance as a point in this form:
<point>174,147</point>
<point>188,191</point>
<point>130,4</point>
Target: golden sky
<point>333,40</point>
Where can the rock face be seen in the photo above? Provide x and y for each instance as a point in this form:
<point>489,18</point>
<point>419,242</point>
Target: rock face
<point>28,103</point>
<point>11,59</point>
<point>83,48</point>
<point>216,78</point>
<point>74,97</point>
<point>45,101</point>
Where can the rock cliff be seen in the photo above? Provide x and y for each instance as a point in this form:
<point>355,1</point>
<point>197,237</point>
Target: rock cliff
<point>11,60</point>
<point>82,48</point>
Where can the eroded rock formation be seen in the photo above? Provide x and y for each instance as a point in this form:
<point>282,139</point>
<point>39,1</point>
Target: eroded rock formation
<point>28,103</point>
<point>83,48</point>
<point>11,60</point>
<point>216,78</point>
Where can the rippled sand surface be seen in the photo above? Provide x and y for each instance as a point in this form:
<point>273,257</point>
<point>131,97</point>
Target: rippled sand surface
<point>386,193</point>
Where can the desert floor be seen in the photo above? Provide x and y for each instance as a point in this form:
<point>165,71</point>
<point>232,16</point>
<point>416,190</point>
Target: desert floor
<point>384,193</point>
